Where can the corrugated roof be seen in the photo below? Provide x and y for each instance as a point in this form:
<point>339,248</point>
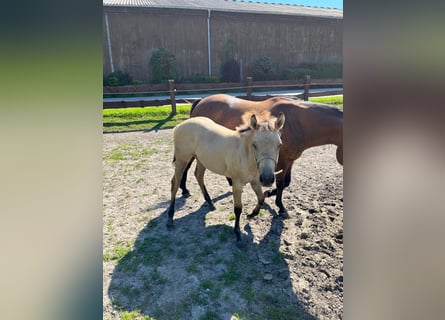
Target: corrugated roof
<point>230,5</point>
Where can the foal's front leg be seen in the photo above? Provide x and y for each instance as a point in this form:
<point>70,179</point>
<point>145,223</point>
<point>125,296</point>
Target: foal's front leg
<point>256,186</point>
<point>237,190</point>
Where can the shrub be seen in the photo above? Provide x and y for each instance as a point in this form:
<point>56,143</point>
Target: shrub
<point>117,78</point>
<point>230,71</point>
<point>315,70</point>
<point>296,73</point>
<point>198,78</point>
<point>264,68</point>
<point>162,65</point>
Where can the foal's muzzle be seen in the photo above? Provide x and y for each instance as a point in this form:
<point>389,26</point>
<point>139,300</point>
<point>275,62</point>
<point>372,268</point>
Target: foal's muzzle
<point>267,180</point>
<point>267,177</point>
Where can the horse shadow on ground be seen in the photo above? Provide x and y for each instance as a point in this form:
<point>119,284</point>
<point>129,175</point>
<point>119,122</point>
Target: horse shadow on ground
<point>153,124</point>
<point>197,270</point>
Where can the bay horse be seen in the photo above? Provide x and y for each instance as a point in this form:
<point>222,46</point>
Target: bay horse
<point>246,155</point>
<point>307,125</point>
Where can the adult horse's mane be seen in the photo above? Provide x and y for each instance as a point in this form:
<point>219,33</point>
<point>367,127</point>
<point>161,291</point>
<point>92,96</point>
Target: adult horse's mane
<point>335,111</point>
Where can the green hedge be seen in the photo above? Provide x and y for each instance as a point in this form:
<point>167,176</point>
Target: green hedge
<point>315,70</point>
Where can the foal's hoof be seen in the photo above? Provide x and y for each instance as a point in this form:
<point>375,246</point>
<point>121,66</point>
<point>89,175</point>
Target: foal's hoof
<point>211,207</point>
<point>268,193</point>
<point>252,215</point>
<point>283,213</point>
<point>186,194</point>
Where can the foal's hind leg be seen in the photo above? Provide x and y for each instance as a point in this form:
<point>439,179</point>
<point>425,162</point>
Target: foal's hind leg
<point>179,169</point>
<point>183,185</point>
<point>256,186</point>
<point>199,174</point>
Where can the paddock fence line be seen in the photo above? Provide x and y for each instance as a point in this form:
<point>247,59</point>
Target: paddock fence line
<point>172,89</point>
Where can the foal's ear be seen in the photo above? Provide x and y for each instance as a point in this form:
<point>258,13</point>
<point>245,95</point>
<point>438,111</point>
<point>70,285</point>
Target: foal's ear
<point>280,121</point>
<point>253,122</point>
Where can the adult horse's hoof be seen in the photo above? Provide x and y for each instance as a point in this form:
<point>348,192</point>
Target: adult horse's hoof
<point>211,207</point>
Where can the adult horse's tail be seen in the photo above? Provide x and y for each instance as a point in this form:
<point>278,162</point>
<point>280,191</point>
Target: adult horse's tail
<point>194,105</point>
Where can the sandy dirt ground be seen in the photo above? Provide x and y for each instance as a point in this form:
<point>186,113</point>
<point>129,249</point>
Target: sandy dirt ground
<point>285,269</point>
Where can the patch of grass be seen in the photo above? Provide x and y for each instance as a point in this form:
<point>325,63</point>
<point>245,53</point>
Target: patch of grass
<point>216,291</point>
<point>140,180</point>
<point>174,312</point>
<point>157,278</point>
<point>231,276</point>
<point>210,315</point>
<point>240,258</point>
<point>207,250</point>
<point>273,244</point>
<point>198,298</point>
<point>277,257</point>
<point>235,316</point>
<point>335,100</point>
<point>280,312</point>
<point>248,294</point>
<point>129,151</point>
<point>129,263</point>
<point>134,315</point>
<point>116,253</point>
<point>154,252</point>
<point>225,235</point>
<point>207,284</point>
<point>231,217</point>
<point>116,155</point>
<point>192,268</point>
<point>148,118</point>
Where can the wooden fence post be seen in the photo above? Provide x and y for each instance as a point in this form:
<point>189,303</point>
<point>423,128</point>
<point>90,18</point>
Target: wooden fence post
<point>171,85</point>
<point>249,88</point>
<point>306,88</point>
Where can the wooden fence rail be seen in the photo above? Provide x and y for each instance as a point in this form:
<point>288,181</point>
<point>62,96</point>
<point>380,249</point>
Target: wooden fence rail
<point>172,89</point>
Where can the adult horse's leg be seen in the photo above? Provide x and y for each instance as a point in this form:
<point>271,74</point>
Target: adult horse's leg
<point>199,174</point>
<point>185,192</point>
<point>237,190</point>
<point>281,184</point>
<point>179,169</point>
<point>283,181</point>
<point>256,186</point>
<point>340,154</point>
